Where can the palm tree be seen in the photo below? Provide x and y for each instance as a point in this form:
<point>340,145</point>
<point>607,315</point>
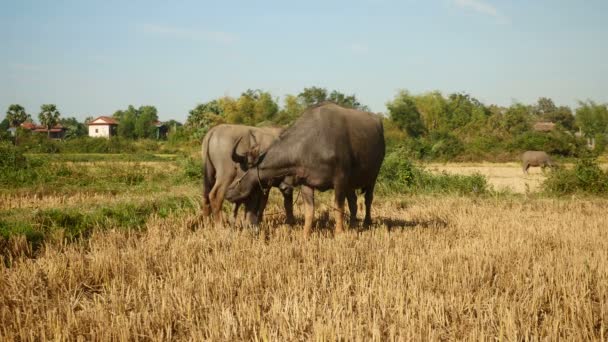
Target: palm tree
<point>49,117</point>
<point>16,115</point>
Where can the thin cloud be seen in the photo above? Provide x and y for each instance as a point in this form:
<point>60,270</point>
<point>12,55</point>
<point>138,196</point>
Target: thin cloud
<point>479,6</point>
<point>189,34</point>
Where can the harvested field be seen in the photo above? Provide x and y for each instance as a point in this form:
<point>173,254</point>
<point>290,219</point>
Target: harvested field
<point>503,176</point>
<point>430,268</point>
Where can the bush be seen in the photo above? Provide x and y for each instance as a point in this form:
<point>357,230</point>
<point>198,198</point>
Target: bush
<point>39,143</point>
<point>11,157</point>
<point>16,169</point>
<point>416,148</point>
<point>445,146</point>
<point>99,145</point>
<point>399,175</point>
<point>192,168</point>
<point>556,143</point>
<point>586,177</point>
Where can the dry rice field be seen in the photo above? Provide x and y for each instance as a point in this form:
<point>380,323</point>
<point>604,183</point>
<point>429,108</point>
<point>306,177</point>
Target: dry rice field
<point>502,176</point>
<point>430,268</point>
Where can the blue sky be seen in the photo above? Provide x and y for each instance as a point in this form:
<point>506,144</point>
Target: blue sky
<point>94,57</point>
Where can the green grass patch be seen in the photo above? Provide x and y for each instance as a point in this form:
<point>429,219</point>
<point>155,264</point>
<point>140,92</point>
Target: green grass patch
<point>103,157</point>
<point>77,223</point>
<point>586,177</point>
<point>400,175</point>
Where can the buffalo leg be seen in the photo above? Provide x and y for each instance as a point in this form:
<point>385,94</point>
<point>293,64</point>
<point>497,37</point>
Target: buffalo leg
<point>308,195</point>
<point>217,198</point>
<point>369,197</point>
<point>351,196</point>
<point>339,197</point>
<point>288,204</point>
<point>208,182</point>
<point>262,206</point>
<point>235,212</point>
<point>252,210</point>
<point>206,206</point>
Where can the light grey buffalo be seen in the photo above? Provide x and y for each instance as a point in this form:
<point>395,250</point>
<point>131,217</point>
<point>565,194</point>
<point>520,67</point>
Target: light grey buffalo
<point>535,158</point>
<point>222,164</point>
<point>327,147</point>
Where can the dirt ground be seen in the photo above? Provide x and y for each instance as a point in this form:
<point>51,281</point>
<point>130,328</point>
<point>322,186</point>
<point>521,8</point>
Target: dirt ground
<point>503,176</point>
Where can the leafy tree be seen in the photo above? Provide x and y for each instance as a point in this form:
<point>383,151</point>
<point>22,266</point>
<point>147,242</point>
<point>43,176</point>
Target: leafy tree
<point>205,114</point>
<point>16,115</point>
<point>563,116</point>
<point>292,108</point>
<point>251,108</point>
<point>349,101</point>
<point>4,125</point>
<point>74,128</point>
<point>265,107</point>
<point>403,112</point>
<point>544,107</point>
<point>315,95</point>
<point>433,109</point>
<point>516,119</point>
<point>312,96</point>
<point>592,118</point>
<point>546,110</point>
<point>145,122</point>
<point>49,117</point>
<point>126,122</point>
<point>464,109</point>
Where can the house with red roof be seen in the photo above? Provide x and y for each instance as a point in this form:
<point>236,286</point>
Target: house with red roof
<point>102,127</point>
<point>56,132</point>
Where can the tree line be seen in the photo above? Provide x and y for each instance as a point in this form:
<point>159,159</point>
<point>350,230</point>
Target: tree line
<point>135,123</point>
<point>428,125</point>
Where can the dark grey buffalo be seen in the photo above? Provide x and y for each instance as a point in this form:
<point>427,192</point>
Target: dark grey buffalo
<point>535,158</point>
<point>223,164</point>
<point>327,147</point>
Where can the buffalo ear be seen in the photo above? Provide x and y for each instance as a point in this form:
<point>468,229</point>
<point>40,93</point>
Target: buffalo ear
<point>237,158</point>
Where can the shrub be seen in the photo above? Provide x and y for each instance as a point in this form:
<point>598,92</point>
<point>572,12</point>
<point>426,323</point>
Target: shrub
<point>586,177</point>
<point>11,157</point>
<point>445,146</point>
<point>555,142</point>
<point>399,175</point>
<point>192,168</point>
<point>16,169</point>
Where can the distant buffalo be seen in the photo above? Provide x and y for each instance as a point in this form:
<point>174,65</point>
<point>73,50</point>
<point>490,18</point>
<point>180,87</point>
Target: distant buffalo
<point>222,164</point>
<point>535,158</point>
<point>328,146</point>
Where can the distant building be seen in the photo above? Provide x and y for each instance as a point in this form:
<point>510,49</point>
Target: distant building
<point>161,130</point>
<point>56,132</point>
<point>544,126</point>
<point>102,127</point>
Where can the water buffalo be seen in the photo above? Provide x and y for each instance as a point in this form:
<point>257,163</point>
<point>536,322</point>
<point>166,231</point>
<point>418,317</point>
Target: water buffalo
<point>328,146</point>
<point>222,164</point>
<point>535,158</point>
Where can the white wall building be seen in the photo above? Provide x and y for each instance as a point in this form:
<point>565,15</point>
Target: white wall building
<point>102,127</point>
